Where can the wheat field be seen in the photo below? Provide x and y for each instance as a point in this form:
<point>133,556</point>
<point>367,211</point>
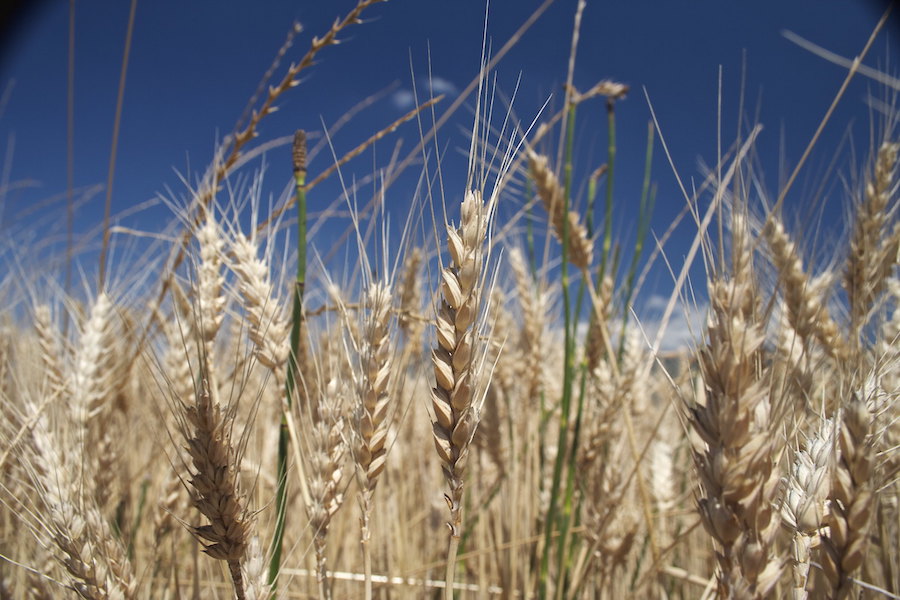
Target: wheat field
<point>460,410</point>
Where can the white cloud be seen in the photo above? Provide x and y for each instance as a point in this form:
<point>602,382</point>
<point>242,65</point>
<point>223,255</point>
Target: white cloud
<point>685,326</point>
<point>442,86</point>
<point>405,99</point>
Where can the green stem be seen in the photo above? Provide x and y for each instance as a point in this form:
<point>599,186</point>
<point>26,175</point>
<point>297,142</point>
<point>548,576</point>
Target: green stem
<point>299,157</point>
<point>568,368</point>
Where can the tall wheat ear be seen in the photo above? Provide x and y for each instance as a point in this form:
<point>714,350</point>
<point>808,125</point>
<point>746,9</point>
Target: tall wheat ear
<point>455,398</point>
<point>737,443</point>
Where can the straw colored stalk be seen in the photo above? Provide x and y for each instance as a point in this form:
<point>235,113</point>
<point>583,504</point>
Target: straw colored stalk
<point>456,413</point>
<point>737,445</point>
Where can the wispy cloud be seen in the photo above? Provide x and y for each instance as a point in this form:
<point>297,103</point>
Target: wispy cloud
<point>683,329</point>
<point>404,99</point>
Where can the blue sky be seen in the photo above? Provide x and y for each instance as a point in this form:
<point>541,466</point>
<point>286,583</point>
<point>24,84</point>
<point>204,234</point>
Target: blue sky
<point>195,64</point>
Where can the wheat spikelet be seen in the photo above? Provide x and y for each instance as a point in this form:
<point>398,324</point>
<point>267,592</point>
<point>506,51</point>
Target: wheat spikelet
<point>89,381</point>
<point>49,344</point>
<point>533,301</point>
<point>505,378</point>
<point>804,508</point>
<point>595,347</point>
<point>410,295</point>
<point>581,248</point>
<point>254,571</point>
<point>210,310</point>
<point>180,348</point>
<point>97,566</point>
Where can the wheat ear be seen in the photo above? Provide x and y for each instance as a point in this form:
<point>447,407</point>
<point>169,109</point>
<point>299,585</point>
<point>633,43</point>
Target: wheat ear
<point>455,370</point>
<point>533,300</point>
<point>806,307</point>
<point>325,456</point>
<point>851,501</point>
<point>804,508</point>
<point>269,326</point>
<point>370,421</point>
<point>735,459</point>
<point>215,489</point>
<point>873,253</point>
<point>581,248</point>
<point>97,565</point>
